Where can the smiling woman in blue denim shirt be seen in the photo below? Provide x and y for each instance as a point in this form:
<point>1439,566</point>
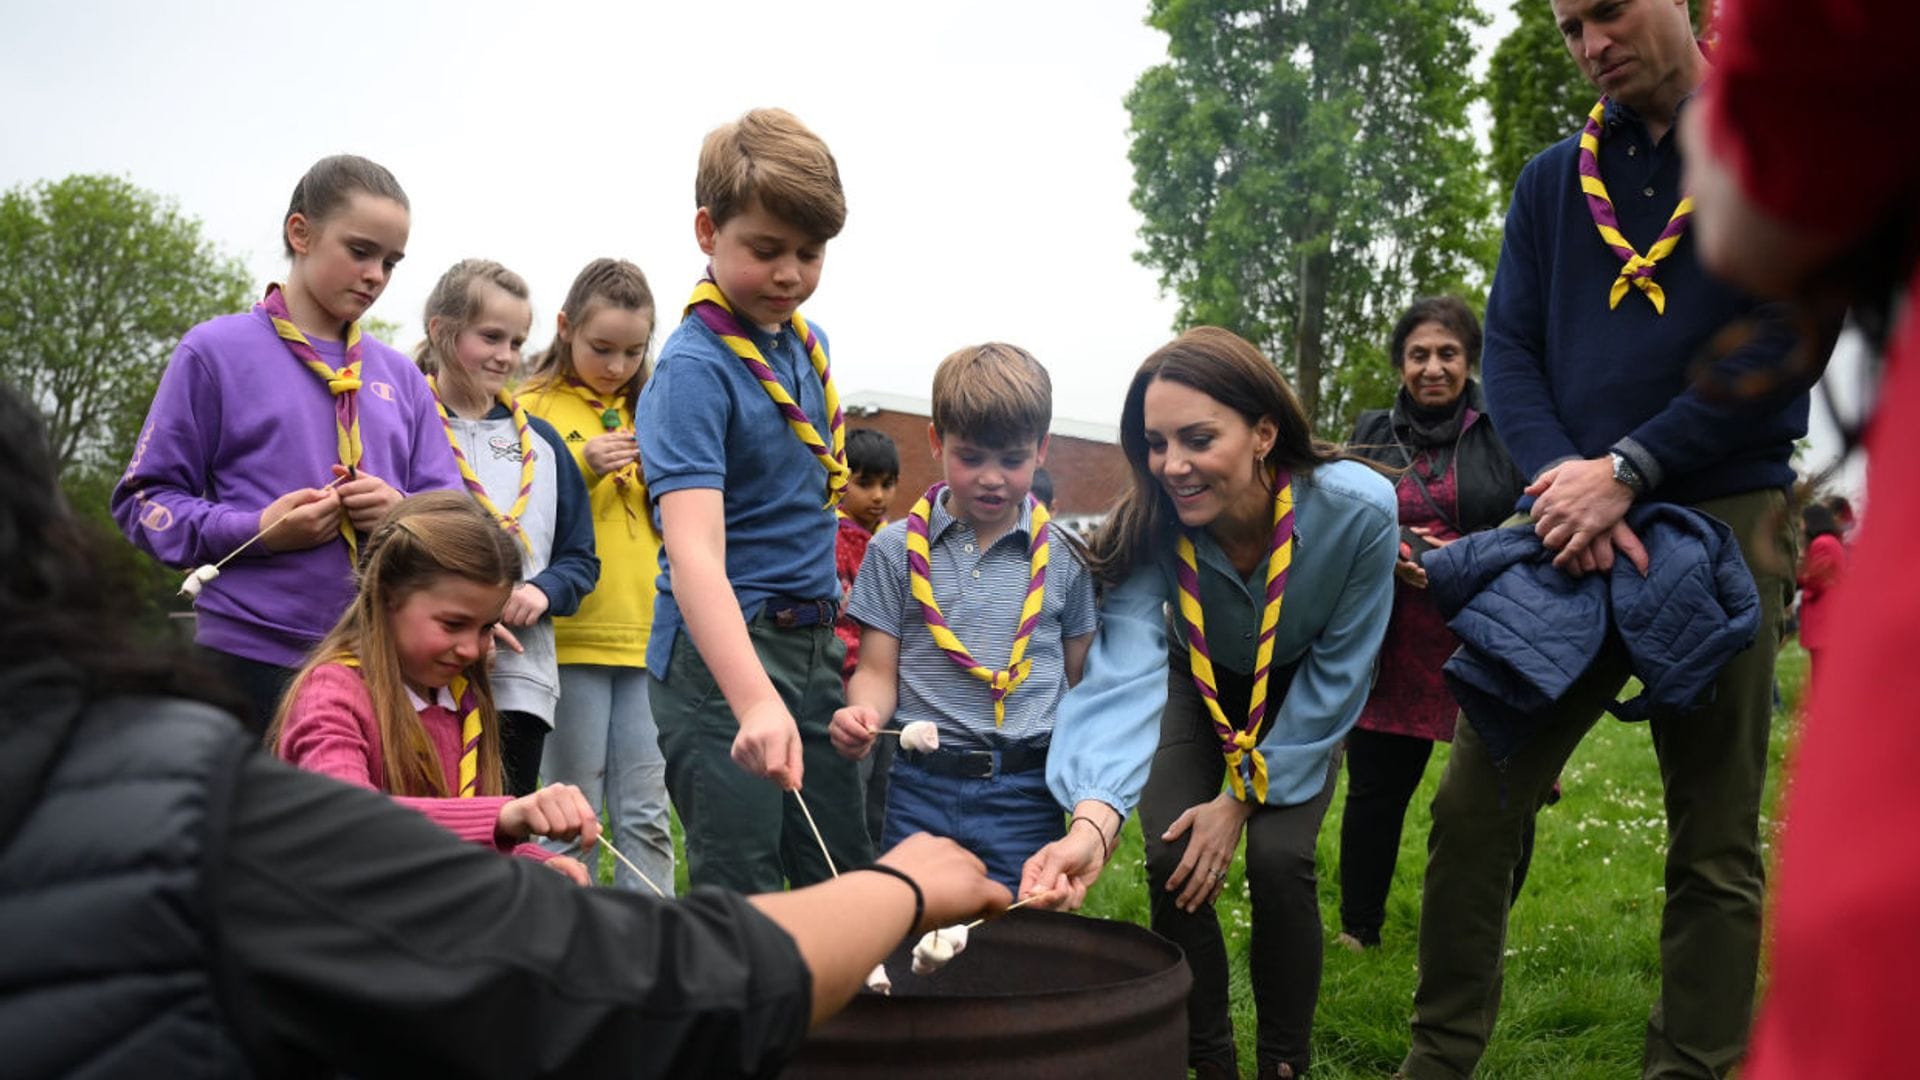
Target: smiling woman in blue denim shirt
<point>1250,568</point>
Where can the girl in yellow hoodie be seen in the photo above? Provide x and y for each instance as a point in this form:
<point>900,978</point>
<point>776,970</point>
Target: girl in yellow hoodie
<point>603,739</point>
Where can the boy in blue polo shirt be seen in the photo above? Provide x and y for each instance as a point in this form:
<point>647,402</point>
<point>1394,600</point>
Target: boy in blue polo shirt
<point>743,443</point>
<point>977,615</point>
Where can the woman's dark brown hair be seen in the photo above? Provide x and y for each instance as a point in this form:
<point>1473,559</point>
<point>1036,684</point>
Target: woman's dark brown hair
<point>62,599</point>
<point>1230,370</point>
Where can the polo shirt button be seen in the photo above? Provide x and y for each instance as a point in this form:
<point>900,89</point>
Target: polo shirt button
<point>1248,635</point>
<point>976,575</point>
<point>1632,150</point>
<point>1647,191</point>
<point>968,548</point>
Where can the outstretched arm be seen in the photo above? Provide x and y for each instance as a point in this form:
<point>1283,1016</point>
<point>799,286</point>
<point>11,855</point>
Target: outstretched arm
<point>693,524</point>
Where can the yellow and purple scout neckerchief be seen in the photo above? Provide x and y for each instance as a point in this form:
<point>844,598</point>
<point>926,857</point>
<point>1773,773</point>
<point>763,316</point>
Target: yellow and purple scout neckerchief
<point>343,383</point>
<point>710,304</point>
<point>509,519</point>
<point>626,479</point>
<point>920,583</point>
<point>1639,269</point>
<point>468,703</point>
<point>1237,744</point>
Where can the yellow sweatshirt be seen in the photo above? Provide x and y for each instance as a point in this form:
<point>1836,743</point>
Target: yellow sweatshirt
<point>614,621</point>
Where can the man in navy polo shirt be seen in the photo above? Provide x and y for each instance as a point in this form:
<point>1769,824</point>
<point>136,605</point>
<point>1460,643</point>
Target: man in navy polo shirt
<point>1598,308</point>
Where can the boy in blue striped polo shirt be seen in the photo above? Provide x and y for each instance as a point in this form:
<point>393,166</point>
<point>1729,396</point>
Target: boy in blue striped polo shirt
<point>976,614</point>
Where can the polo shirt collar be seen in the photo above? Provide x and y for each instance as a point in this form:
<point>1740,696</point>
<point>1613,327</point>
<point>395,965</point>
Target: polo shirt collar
<point>939,518</point>
<point>1617,113</point>
<point>442,697</point>
<point>767,343</point>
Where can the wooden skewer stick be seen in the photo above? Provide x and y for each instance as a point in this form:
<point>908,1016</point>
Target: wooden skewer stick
<point>628,863</point>
<point>816,832</point>
<point>330,485</point>
<point>1010,907</point>
<point>264,529</point>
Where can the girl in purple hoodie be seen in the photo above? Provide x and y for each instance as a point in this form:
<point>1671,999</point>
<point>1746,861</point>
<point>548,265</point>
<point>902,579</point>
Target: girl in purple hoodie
<point>288,422</point>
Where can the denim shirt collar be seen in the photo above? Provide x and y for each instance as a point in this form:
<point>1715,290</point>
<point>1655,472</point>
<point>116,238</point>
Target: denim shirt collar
<point>1209,555</point>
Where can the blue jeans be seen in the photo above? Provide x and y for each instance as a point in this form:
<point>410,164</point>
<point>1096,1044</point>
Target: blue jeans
<point>604,742</point>
<point>1002,819</point>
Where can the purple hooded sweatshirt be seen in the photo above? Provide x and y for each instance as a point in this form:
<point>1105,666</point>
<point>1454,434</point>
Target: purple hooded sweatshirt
<point>238,421</point>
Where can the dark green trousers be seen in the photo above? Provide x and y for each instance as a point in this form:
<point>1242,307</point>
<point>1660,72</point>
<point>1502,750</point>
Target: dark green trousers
<point>743,832</point>
<point>1712,766</point>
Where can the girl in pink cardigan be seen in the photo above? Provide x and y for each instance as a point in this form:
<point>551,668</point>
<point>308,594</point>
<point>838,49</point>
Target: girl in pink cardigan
<point>396,697</point>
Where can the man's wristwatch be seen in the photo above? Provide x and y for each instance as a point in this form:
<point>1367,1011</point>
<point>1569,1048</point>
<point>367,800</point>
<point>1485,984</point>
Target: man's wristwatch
<point>1626,472</point>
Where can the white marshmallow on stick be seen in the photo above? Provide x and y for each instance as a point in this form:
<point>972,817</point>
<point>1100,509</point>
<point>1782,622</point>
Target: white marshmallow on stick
<point>197,580</point>
<point>920,736</point>
<point>937,947</point>
<point>878,982</point>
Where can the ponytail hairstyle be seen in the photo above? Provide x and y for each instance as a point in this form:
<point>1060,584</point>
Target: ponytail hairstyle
<point>604,282</point>
<point>422,540</point>
<point>456,302</point>
<point>330,182</point>
<point>1230,370</point>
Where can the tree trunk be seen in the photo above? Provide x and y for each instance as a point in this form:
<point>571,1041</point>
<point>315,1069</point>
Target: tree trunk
<point>1310,347</point>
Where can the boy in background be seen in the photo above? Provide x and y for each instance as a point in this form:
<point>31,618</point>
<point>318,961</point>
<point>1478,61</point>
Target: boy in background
<point>743,443</point>
<point>874,461</point>
<point>977,615</point>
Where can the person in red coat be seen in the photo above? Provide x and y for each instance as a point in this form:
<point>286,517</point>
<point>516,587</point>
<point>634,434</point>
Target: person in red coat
<point>1804,180</point>
<point>1820,571</point>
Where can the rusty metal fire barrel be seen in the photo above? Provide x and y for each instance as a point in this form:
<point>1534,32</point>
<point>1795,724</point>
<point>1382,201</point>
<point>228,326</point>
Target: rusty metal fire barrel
<point>1036,994</point>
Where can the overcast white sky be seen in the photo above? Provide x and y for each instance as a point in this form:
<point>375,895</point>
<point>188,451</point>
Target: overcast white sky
<point>983,146</point>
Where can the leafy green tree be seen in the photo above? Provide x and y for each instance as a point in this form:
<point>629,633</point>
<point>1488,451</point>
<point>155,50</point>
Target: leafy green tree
<point>98,280</point>
<point>1535,93</point>
<point>1304,168</point>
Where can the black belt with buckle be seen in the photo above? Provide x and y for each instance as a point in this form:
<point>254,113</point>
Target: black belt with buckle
<point>790,614</point>
<point>979,764</point>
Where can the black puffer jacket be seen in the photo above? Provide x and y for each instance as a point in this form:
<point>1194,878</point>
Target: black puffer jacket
<point>1489,483</point>
<point>175,903</point>
<point>107,814</point>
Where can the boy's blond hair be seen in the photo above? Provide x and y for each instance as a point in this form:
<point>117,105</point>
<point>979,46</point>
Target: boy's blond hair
<point>995,394</point>
<point>769,155</point>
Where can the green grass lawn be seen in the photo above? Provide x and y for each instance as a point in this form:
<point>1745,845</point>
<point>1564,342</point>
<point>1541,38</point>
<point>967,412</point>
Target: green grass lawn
<point>1583,959</point>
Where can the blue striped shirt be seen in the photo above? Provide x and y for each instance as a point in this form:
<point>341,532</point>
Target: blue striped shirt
<point>980,594</point>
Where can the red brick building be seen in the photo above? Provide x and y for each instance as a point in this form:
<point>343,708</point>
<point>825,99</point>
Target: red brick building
<point>1088,470</point>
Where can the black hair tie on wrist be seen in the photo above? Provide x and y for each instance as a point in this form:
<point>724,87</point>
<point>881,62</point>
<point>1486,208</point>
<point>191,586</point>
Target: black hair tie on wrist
<point>919,898</point>
<point>1106,849</point>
